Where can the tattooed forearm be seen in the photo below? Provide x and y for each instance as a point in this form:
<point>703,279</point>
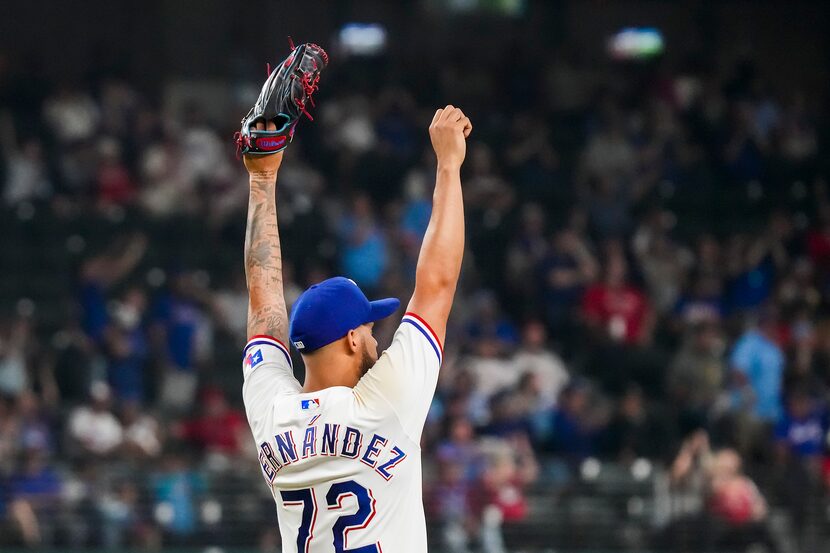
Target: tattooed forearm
<point>267,312</point>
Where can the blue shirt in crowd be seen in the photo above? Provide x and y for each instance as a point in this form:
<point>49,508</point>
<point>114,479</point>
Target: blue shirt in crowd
<point>179,489</point>
<point>805,435</point>
<point>126,373</point>
<point>180,318</point>
<point>364,260</point>
<point>753,287</point>
<point>94,308</point>
<point>762,362</point>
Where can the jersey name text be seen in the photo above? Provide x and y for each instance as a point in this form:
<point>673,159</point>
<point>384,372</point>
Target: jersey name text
<point>330,440</point>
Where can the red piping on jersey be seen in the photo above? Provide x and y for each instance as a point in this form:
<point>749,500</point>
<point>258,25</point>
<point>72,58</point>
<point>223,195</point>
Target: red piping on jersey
<point>252,338</point>
<point>426,324</point>
<point>365,523</point>
<point>313,520</point>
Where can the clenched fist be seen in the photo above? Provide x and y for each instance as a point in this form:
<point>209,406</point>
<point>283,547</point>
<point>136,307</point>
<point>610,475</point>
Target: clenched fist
<point>448,133</point>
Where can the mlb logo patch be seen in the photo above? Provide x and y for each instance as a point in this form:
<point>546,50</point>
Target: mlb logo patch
<point>307,404</point>
<point>254,359</point>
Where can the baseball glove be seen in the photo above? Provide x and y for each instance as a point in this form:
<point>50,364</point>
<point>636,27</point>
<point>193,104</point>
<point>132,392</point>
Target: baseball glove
<point>282,100</point>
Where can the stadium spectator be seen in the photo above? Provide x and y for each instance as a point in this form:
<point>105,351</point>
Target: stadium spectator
<point>9,435</point>
<point>460,397</point>
<point>101,272</point>
<point>34,498</point>
<point>736,503</point>
<point>460,447</point>
<point>488,331</point>
<point>696,374</point>
<point>415,214</point>
<point>635,431</point>
<point>752,265</point>
<point>180,326</point>
<point>532,407</point>
<point>664,264</point>
<point>616,309</point>
<point>499,499</point>
<point>72,114</point>
<point>177,488</point>
<point>489,336</point>
<point>609,155</point>
<point>142,434</point>
<point>230,304</point>
<point>202,149</point>
<point>685,503</point>
<point>758,366</point>
<point>508,417</point>
<point>34,428</point>
<point>701,303</point>
<point>509,467</point>
<point>15,337</point>
<point>535,164</point>
<point>120,516</point>
<point>115,186</point>
<point>802,430</point>
<point>27,175</point>
<point>728,511</point>
<point>534,357</point>
<point>165,179</point>
<point>93,428</point>
<point>220,429</point>
<point>524,252</point>
<point>564,273</point>
<point>575,428</point>
<point>449,500</point>
<point>362,245</point>
<point>126,348</point>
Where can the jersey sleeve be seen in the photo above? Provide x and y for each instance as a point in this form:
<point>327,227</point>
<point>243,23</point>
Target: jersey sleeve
<point>405,376</point>
<point>267,371</point>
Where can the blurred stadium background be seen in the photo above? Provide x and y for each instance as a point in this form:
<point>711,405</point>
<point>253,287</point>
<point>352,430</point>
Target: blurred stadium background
<point>639,355</point>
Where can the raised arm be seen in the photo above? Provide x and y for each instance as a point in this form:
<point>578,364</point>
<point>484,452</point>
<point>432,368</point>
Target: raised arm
<point>267,312</point>
<point>439,262</point>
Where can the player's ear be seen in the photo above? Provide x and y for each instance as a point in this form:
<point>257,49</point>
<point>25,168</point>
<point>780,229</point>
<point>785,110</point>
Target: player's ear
<point>353,341</point>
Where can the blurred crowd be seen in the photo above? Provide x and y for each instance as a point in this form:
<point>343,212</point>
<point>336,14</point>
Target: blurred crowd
<point>647,267</point>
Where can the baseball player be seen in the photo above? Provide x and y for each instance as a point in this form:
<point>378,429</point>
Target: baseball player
<point>341,452</point>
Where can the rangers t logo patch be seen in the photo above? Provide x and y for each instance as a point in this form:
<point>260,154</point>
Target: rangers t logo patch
<point>254,359</point>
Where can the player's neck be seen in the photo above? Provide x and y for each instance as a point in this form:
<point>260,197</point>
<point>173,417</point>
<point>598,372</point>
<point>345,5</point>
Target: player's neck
<point>326,370</point>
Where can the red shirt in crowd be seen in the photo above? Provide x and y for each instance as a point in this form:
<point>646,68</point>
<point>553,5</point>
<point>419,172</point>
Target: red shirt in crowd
<point>218,433</point>
<point>115,185</point>
<point>622,310</point>
<point>818,246</point>
<point>219,428</point>
<point>507,497</point>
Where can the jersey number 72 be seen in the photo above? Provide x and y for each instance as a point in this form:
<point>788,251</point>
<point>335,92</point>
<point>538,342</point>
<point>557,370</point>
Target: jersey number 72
<point>334,500</point>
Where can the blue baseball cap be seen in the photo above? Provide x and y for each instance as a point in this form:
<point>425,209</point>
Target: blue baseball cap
<point>330,309</point>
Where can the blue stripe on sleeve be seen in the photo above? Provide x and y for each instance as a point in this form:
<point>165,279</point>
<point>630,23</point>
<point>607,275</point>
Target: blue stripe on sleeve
<point>266,343</point>
<point>426,335</point>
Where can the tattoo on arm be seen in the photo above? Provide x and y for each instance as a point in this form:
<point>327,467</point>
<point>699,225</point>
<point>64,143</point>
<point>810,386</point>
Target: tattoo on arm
<point>267,313</point>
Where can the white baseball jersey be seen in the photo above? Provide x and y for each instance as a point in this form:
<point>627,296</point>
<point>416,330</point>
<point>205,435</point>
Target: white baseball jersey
<point>344,464</point>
